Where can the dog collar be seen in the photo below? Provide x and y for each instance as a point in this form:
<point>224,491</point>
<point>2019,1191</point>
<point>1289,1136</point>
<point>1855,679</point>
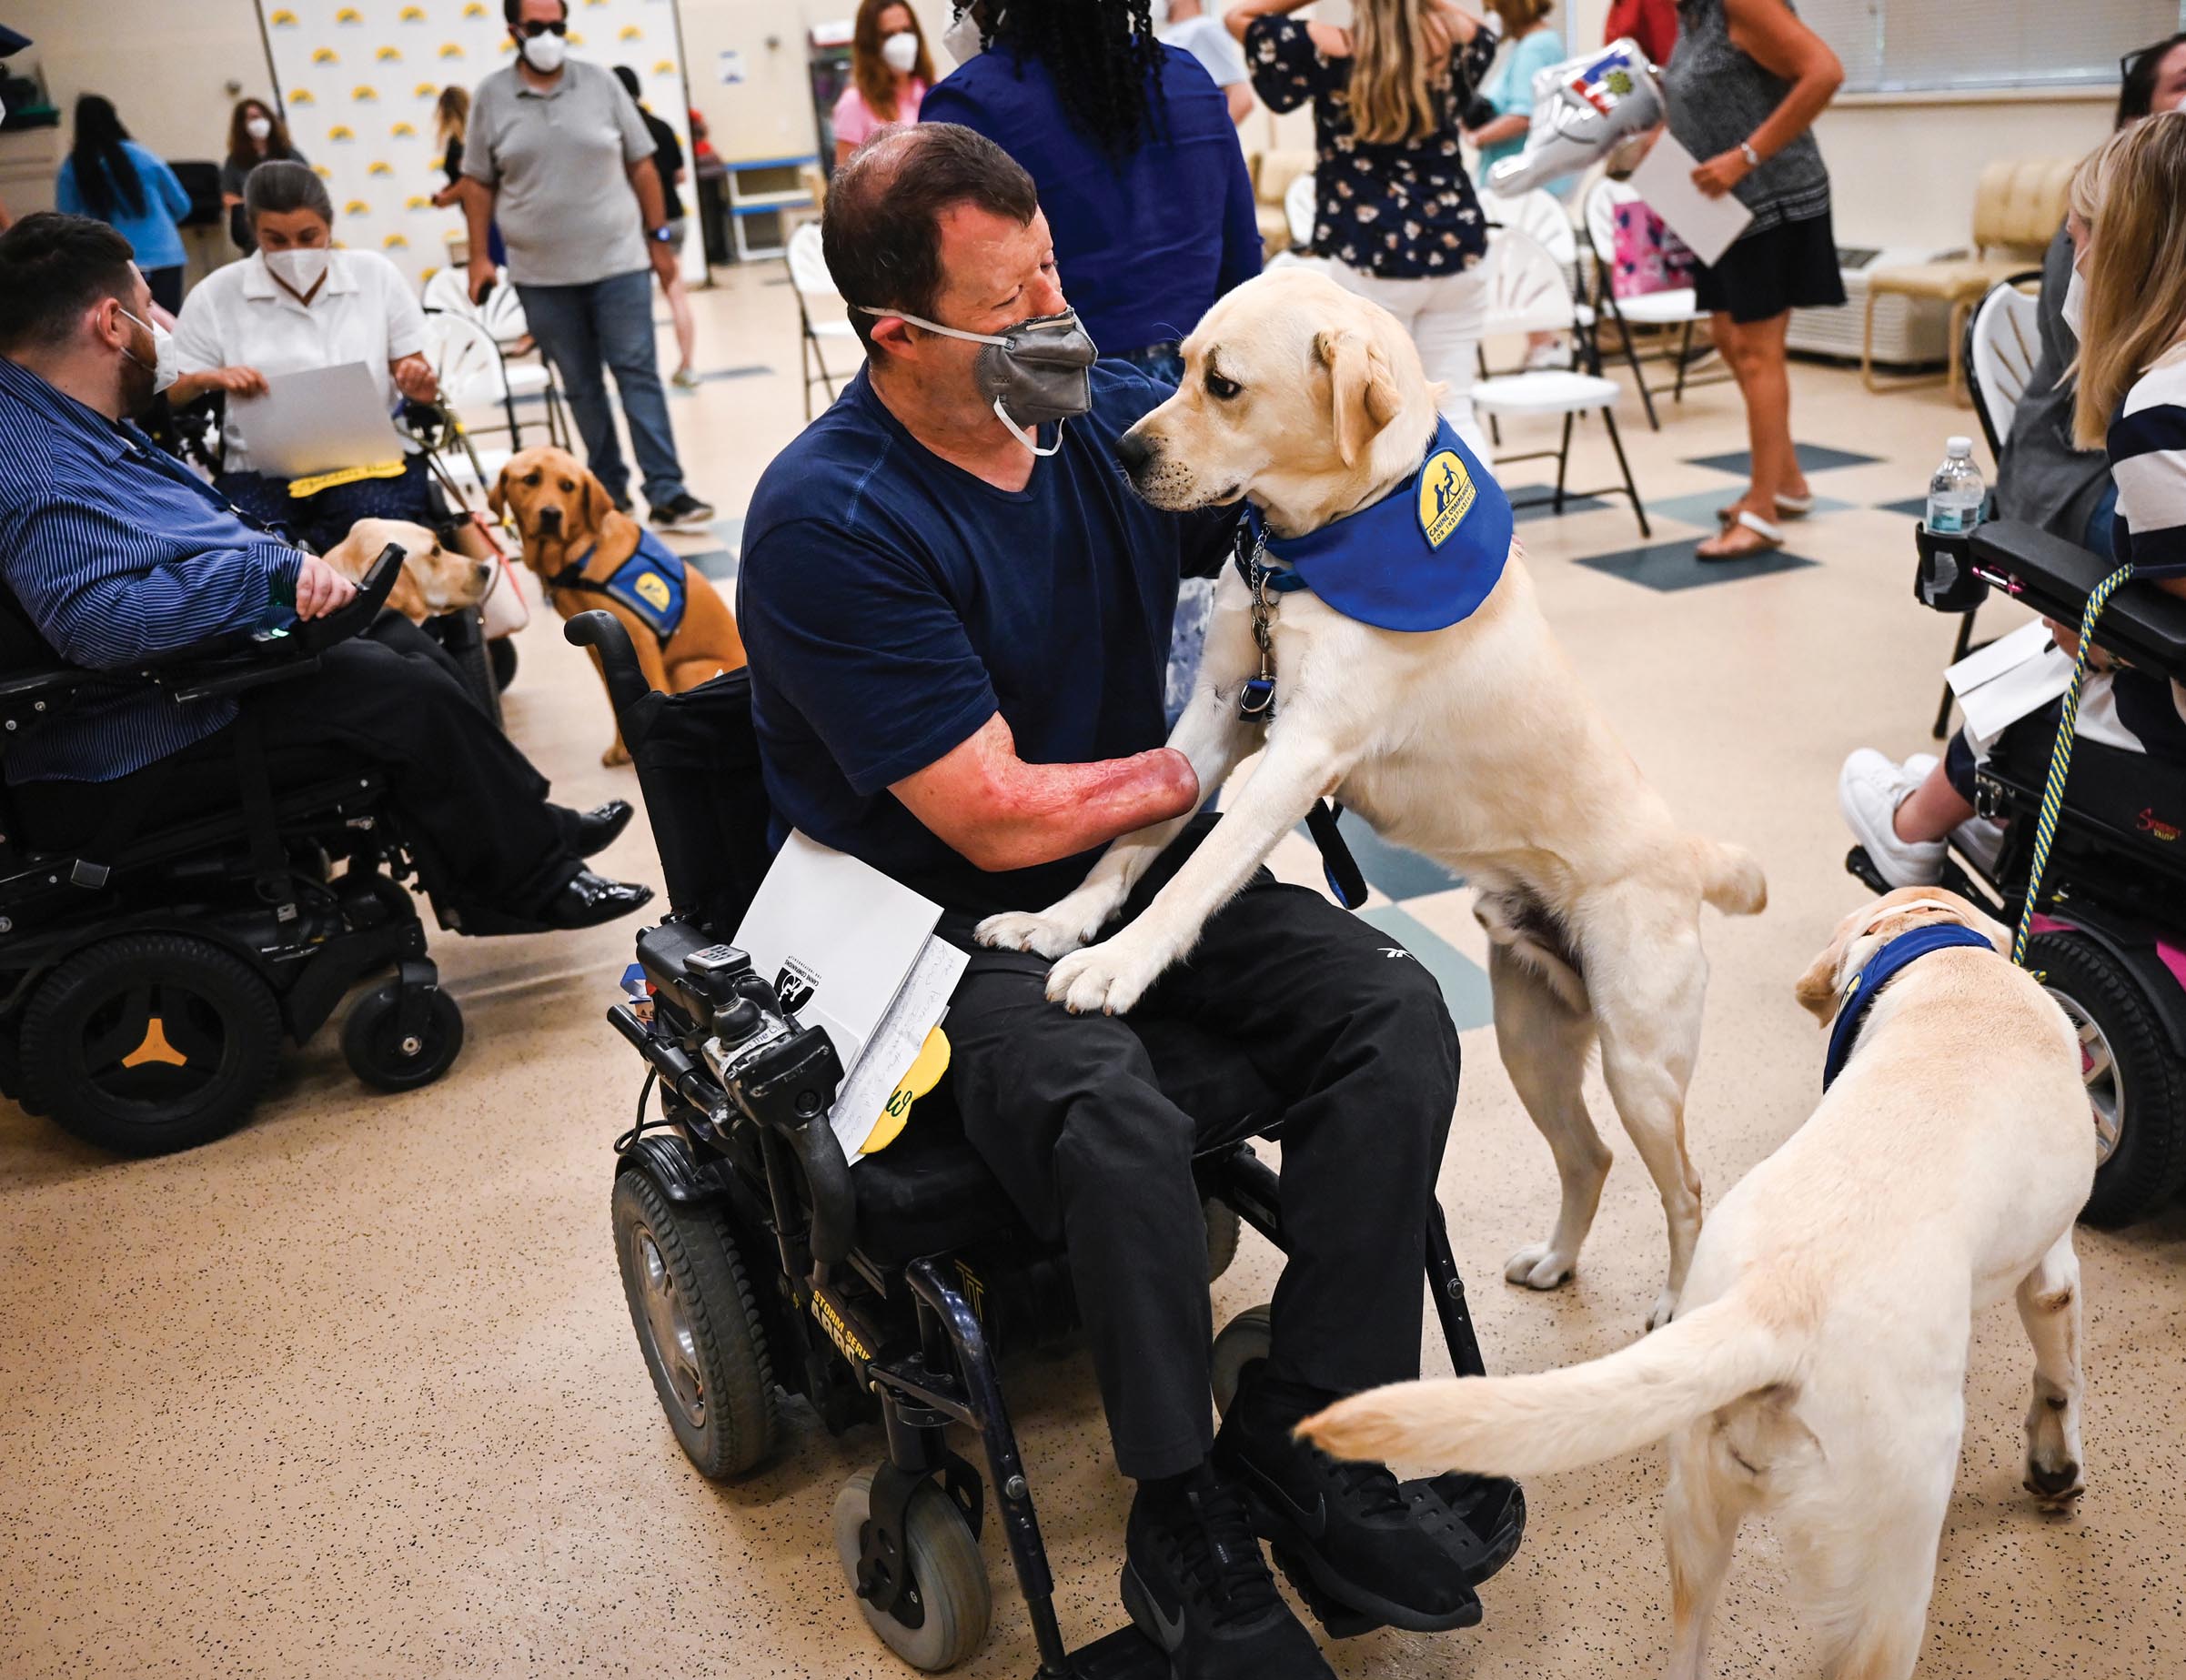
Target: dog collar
<point>1878,971</point>
<point>1422,558</point>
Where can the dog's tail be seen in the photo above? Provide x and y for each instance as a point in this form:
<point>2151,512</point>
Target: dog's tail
<point>1731,877</point>
<point>1527,1425</point>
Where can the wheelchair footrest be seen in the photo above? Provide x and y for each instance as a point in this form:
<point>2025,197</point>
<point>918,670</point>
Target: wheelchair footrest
<point>1124,1655</point>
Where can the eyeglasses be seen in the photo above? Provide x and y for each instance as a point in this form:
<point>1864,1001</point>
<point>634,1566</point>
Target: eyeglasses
<point>532,31</point>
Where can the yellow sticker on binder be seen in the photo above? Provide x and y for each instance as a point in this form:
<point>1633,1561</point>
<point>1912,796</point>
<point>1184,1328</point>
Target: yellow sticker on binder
<point>924,1074</point>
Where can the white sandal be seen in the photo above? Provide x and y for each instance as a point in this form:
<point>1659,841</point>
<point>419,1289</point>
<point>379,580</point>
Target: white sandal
<point>1771,536</point>
<point>1786,507</point>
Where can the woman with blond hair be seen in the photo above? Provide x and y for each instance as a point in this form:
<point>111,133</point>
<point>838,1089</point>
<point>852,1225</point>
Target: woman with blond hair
<point>891,71</point>
<point>1393,207</point>
<point>2127,301</point>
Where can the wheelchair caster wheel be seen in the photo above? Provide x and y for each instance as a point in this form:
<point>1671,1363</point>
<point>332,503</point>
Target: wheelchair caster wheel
<point>149,1042</point>
<point>2134,1098</point>
<point>1244,1341</point>
<point>389,1057</point>
<point>698,1325</point>
<point>942,1617</point>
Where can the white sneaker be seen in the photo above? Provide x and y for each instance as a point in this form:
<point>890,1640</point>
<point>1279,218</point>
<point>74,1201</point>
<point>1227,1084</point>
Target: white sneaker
<point>1981,841</point>
<point>1870,789</point>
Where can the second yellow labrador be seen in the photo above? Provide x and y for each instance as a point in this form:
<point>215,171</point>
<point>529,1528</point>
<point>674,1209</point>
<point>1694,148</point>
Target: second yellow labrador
<point>1474,744</point>
<point>434,578</point>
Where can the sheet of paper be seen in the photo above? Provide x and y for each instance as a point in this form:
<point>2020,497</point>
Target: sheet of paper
<point>1986,664</point>
<point>837,938</point>
<point>2012,678</point>
<point>317,420</point>
<point>1665,179</point>
<point>917,1009</point>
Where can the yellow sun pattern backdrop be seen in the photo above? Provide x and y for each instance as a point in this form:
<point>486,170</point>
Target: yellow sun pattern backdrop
<point>358,83</point>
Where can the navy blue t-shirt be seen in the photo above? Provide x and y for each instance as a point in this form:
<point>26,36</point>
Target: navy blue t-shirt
<point>1147,243</point>
<point>893,602</point>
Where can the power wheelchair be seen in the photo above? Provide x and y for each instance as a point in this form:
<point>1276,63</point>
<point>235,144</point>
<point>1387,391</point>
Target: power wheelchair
<point>755,1261</point>
<point>147,976</point>
<point>2109,926</point>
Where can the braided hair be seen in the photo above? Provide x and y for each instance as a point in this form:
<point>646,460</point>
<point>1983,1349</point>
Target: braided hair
<point>1105,60</point>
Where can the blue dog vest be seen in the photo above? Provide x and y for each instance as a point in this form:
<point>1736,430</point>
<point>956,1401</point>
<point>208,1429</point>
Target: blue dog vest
<point>1878,971</point>
<point>650,583</point>
<point>1422,558</point>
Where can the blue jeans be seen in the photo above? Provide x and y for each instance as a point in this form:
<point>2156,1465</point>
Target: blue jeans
<point>585,329</point>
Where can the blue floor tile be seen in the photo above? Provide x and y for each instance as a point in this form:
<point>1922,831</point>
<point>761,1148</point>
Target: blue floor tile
<point>1812,457</point>
<point>713,374</point>
<point>718,564</point>
<point>1392,870</point>
<point>1912,507</point>
<point>1464,984</point>
<point>1671,566</point>
<point>1544,509</point>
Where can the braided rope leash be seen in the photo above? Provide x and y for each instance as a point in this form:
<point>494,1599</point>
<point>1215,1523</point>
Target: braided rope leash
<point>2061,758</point>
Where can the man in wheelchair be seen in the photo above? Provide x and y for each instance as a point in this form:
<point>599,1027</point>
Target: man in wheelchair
<point>958,617</point>
<point>116,556</point>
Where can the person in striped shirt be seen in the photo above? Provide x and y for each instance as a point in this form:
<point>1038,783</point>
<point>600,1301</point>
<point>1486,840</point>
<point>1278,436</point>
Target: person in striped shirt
<point>2127,305</point>
<point>113,554</point>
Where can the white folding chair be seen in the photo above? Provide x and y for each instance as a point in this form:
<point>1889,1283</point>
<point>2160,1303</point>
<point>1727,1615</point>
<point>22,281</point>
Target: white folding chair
<point>1526,292</point>
<point>446,291</point>
<point>1299,210</point>
<point>809,279</point>
<point>502,318</point>
<point>1675,308</point>
<point>475,377</point>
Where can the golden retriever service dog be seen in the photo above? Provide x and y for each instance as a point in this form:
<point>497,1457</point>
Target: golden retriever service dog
<point>588,554</point>
<point>433,579</point>
<point>1473,744</point>
<point>1815,1373</point>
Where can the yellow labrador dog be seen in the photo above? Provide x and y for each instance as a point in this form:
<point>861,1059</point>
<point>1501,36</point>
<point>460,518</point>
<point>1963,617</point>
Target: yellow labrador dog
<point>1816,1372</point>
<point>434,578</point>
<point>1473,744</point>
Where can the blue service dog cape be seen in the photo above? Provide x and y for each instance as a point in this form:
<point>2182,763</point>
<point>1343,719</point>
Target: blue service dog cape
<point>650,583</point>
<point>1422,558</point>
<point>1878,971</point>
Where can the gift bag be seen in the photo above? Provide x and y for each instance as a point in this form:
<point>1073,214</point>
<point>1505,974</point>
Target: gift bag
<point>1648,257</point>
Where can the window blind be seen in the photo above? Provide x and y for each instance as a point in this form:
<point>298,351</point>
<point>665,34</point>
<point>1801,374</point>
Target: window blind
<point>1907,46</point>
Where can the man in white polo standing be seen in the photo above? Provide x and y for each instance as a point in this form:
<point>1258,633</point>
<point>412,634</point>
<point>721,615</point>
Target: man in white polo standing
<point>558,155</point>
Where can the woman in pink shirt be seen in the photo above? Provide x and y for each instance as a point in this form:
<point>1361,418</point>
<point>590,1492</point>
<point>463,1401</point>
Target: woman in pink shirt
<point>889,72</point>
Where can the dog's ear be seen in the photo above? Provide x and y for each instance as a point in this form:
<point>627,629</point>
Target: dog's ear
<point>497,499</point>
<point>1816,989</point>
<point>1364,390</point>
<point>597,506</point>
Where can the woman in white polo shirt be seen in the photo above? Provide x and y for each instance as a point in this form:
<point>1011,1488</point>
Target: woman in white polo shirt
<point>296,304</point>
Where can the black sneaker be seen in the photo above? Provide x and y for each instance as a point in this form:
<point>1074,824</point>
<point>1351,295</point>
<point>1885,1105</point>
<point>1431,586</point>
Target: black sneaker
<point>1195,1583</point>
<point>1349,1528</point>
<point>682,512</point>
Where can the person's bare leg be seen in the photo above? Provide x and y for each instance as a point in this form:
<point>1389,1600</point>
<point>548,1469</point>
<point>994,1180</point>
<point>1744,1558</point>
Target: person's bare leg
<point>1767,388</point>
<point>687,327</point>
<point>1930,810</point>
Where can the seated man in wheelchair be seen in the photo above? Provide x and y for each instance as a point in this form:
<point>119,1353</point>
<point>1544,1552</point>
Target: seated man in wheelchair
<point>117,555</point>
<point>2128,304</point>
<point>296,304</point>
<point>958,616</point>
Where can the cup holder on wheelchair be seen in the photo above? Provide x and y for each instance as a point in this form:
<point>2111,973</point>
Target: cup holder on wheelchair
<point>1946,580</point>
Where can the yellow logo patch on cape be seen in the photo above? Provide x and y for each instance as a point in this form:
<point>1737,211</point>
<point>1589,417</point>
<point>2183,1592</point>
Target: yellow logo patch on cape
<point>654,587</point>
<point>1446,497</point>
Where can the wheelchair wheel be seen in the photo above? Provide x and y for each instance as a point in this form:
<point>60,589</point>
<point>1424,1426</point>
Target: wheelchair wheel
<point>948,1589</point>
<point>1224,1230</point>
<point>698,1325</point>
<point>387,1059</point>
<point>1243,1342</point>
<point>2134,1097</point>
<point>150,1042</point>
<point>501,653</point>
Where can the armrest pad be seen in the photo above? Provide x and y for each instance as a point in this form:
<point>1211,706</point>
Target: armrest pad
<point>2144,624</point>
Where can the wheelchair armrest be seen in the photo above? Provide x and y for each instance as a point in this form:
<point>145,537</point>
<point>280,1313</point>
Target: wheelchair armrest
<point>603,633</point>
<point>2145,625</point>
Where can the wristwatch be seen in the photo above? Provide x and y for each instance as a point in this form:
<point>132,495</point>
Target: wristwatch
<point>1752,157</point>
<point>661,234</point>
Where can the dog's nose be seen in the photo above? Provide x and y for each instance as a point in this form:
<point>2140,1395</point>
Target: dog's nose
<point>1134,450</point>
<point>549,516</point>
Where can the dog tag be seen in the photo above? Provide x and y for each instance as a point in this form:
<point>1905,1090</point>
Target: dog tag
<point>1256,700</point>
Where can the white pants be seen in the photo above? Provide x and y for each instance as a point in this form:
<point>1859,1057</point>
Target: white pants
<point>1444,313</point>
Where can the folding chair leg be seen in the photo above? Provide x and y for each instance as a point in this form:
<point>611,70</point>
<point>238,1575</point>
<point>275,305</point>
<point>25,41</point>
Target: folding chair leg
<point>1684,360</point>
<point>1867,345</point>
<point>1625,467</point>
<point>1563,459</point>
<point>1639,377</point>
<point>1958,652</point>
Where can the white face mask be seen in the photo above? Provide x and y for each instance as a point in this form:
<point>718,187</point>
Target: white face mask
<point>2074,310</point>
<point>544,53</point>
<point>257,128</point>
<point>902,51</point>
<point>962,40</point>
<point>299,270</point>
<point>164,366</point>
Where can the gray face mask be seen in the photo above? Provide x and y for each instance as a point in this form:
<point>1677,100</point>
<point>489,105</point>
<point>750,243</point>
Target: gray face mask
<point>1038,370</point>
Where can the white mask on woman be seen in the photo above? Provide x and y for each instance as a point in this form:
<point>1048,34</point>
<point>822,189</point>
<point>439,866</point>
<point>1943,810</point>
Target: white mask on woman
<point>2074,310</point>
<point>902,51</point>
<point>299,270</point>
<point>257,128</point>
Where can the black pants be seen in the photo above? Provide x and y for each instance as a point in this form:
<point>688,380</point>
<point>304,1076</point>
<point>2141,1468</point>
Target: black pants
<point>1343,1024</point>
<point>390,700</point>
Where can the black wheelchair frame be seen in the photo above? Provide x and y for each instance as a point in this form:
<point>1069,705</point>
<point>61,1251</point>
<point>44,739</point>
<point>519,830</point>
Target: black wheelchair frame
<point>880,1305</point>
<point>2113,895</point>
<point>240,902</point>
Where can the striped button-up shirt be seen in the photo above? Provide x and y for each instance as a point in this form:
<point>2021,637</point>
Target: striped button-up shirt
<point>117,552</point>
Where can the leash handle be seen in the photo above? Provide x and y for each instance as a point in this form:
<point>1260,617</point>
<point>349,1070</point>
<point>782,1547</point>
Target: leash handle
<point>2061,759</point>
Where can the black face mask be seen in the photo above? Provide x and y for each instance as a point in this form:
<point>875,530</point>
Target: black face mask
<point>1039,370</point>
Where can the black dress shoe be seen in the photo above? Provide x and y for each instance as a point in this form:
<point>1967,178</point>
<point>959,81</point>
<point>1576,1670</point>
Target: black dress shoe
<point>590,900</point>
<point>598,829</point>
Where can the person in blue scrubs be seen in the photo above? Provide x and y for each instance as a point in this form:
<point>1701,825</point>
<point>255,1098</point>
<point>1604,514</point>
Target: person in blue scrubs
<point>109,177</point>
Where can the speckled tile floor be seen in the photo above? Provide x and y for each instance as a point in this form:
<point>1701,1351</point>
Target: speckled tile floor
<point>353,1392</point>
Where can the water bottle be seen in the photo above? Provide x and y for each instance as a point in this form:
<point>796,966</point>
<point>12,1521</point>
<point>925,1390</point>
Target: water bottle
<point>1955,493</point>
